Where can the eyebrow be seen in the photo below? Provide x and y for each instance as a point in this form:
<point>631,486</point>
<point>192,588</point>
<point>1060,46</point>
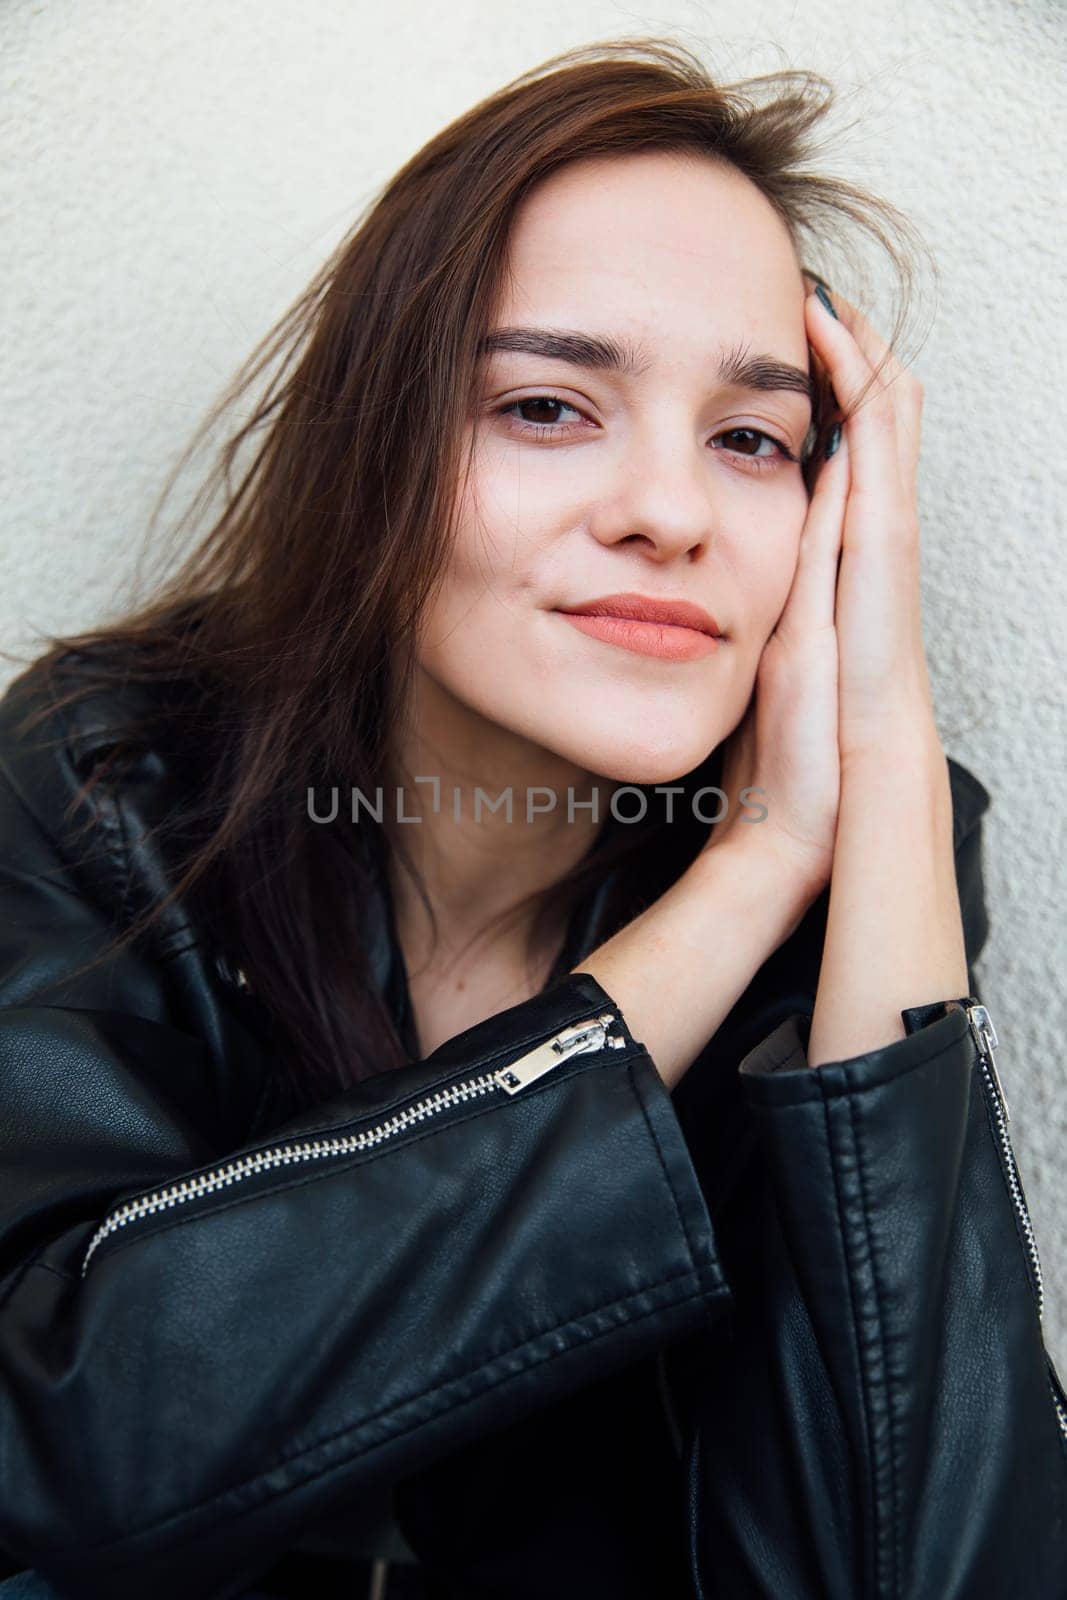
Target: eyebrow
<point>737,367</point>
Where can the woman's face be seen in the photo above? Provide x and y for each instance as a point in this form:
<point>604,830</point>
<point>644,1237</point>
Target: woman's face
<point>670,481</point>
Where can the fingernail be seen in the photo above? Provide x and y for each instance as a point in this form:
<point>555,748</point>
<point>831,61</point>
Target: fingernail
<point>834,440</point>
<point>828,303</point>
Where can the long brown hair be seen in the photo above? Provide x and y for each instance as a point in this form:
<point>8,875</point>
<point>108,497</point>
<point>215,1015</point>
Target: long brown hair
<point>291,621</point>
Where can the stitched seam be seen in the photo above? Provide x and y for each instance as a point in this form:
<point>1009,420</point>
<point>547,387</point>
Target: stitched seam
<point>892,1536</point>
<point>856,1330</point>
<point>408,1400</point>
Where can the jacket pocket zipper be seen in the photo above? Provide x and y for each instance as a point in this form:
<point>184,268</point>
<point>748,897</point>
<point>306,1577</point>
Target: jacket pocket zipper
<point>579,1039</point>
<point>986,1041</point>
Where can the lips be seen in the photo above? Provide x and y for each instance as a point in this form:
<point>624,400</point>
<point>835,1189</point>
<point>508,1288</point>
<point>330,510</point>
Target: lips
<point>645,608</point>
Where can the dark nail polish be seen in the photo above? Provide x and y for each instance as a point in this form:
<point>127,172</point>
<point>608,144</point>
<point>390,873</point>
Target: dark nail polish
<point>827,302</point>
<point>834,440</point>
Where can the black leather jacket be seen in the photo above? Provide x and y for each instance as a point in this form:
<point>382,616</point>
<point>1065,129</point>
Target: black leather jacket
<point>776,1334</point>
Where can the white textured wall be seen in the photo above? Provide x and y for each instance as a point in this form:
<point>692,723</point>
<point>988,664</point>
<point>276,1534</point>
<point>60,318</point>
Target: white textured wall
<point>174,174</point>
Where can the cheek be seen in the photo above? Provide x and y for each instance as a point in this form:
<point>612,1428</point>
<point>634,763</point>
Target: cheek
<point>495,536</point>
<point>472,615</point>
<point>765,554</point>
<point>481,564</point>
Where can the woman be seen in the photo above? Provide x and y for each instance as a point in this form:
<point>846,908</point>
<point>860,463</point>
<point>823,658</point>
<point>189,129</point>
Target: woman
<point>609,1196</point>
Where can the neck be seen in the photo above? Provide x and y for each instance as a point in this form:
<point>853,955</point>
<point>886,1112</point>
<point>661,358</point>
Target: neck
<point>473,861</point>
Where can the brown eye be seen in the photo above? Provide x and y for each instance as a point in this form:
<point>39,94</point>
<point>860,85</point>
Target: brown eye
<point>539,404</point>
<point>539,423</point>
<point>747,443</point>
<point>749,440</point>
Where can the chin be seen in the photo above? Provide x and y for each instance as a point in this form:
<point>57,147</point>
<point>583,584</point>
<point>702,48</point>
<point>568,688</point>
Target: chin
<point>648,771</point>
<point>627,760</point>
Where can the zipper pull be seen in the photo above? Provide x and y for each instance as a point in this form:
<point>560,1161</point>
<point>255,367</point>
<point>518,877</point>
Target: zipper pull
<point>573,1041</point>
<point>985,1038</point>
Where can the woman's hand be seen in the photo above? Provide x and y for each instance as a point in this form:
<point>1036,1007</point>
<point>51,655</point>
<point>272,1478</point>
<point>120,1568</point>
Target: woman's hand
<point>894,934</point>
<point>787,742</point>
<point>884,688</point>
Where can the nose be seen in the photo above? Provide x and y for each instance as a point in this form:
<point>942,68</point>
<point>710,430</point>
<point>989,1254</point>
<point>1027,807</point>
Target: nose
<point>662,500</point>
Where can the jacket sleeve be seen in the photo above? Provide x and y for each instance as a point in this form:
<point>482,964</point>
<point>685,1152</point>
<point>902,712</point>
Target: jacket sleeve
<point>878,1418</point>
<point>207,1345</point>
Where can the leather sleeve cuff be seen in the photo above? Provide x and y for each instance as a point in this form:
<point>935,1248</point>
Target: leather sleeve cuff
<point>785,1050</point>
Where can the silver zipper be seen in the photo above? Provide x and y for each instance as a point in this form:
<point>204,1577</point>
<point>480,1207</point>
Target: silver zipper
<point>584,1036</point>
<point>1061,1414</point>
<point>580,1039</point>
<point>985,1039</point>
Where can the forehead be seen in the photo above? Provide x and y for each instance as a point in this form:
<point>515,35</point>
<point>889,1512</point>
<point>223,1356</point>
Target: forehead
<point>653,240</point>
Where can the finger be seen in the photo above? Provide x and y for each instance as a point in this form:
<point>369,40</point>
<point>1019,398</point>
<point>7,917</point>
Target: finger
<point>875,467</point>
<point>893,376</point>
<point>870,341</point>
<point>811,600</point>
